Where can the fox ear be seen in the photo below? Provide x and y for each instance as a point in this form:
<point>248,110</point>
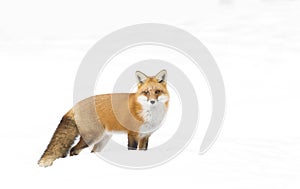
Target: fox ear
<point>141,76</point>
<point>161,76</point>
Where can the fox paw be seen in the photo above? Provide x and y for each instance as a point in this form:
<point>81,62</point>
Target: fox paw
<point>74,152</point>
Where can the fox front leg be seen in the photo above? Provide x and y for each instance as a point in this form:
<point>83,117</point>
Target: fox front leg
<point>143,143</point>
<point>132,141</point>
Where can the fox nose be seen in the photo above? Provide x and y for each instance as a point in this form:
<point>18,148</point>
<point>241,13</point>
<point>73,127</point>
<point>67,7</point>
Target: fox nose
<point>152,101</point>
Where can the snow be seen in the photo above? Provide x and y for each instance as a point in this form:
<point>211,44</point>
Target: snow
<point>256,46</point>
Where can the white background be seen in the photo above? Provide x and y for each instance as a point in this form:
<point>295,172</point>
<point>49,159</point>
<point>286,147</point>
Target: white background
<point>256,46</point>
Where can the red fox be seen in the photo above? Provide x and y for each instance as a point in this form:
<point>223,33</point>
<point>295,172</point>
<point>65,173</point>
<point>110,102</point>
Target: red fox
<point>147,109</point>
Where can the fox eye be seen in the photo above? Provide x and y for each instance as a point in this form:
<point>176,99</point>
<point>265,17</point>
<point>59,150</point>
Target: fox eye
<point>146,92</point>
<point>157,91</point>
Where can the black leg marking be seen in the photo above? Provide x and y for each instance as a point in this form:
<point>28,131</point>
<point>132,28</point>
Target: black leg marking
<point>132,142</point>
<point>143,143</point>
<point>146,144</point>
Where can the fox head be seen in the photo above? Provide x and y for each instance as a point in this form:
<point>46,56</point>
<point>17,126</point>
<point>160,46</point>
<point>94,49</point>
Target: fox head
<point>152,90</point>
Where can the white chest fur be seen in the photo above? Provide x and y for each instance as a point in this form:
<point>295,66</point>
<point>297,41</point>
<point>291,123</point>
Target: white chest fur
<point>153,117</point>
<point>153,114</point>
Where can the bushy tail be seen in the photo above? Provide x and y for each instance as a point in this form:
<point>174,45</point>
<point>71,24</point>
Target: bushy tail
<point>61,141</point>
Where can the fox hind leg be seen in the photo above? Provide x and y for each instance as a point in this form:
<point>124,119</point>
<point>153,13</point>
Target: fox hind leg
<point>78,147</point>
<point>98,147</point>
